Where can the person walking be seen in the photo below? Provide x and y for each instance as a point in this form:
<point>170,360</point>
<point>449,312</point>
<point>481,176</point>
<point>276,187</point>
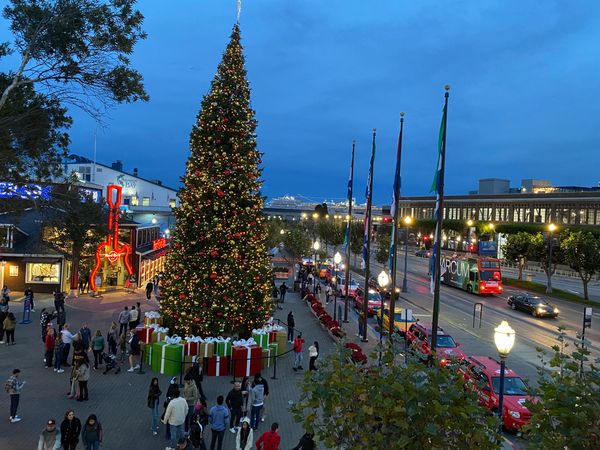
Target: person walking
<point>361,324</point>
<point>170,396</point>
<point>245,436</point>
<point>133,317</point>
<point>112,337</point>
<point>59,301</point>
<point>328,292</point>
<point>154,393</point>
<point>67,339</point>
<point>91,435</point>
<point>5,294</point>
<point>86,336</point>
<point>73,381</point>
<point>28,294</point>
<point>269,440</point>
<point>44,320</point>
<point>197,433</point>
<point>246,405</point>
<point>13,388</point>
<point>10,324</point>
<point>123,320</point>
<point>298,352</point>
<point>291,323</point>
<point>282,291</point>
<point>3,315</point>
<point>134,351</point>
<point>97,348</point>
<point>190,393</point>
<point>306,442</point>
<point>175,417</point>
<point>218,418</point>
<point>234,401</point>
<point>196,373</point>
<point>313,354</point>
<point>258,379</point>
<point>49,437</point>
<point>149,289</point>
<point>257,396</point>
<point>83,376</point>
<point>49,343</point>
<point>70,428</point>
<point>58,354</point>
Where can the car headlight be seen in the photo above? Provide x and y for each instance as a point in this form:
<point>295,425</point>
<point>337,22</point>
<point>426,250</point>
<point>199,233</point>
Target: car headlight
<point>515,414</point>
<point>556,311</point>
<point>540,310</point>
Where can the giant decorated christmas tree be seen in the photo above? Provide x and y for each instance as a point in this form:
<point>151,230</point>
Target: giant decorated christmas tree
<point>217,274</point>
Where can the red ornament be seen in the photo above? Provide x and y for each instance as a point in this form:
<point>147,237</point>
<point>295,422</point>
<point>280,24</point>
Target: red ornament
<point>213,276</point>
<point>214,253</point>
<point>220,193</point>
<point>227,172</point>
<point>182,296</point>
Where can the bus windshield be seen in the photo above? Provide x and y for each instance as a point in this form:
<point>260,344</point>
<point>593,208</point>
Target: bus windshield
<point>489,275</point>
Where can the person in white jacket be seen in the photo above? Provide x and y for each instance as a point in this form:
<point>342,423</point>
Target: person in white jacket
<point>245,436</point>
<point>175,414</point>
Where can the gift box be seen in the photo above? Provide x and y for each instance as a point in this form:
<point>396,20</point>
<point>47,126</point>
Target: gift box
<point>281,340</point>
<point>266,358</point>
<point>206,349</point>
<point>261,337</point>
<point>172,360</point>
<point>144,333</point>
<point>147,349</point>
<point>188,361</point>
<point>218,366</point>
<point>152,317</point>
<point>159,334</point>
<point>274,347</point>
<point>246,361</point>
<point>157,355</point>
<point>223,346</point>
<point>191,346</point>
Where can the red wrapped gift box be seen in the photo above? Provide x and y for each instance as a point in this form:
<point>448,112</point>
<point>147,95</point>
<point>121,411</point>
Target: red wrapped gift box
<point>246,361</point>
<point>190,348</point>
<point>218,366</point>
<point>272,336</point>
<point>144,333</point>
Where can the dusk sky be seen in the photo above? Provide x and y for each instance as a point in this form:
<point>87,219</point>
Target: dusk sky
<point>524,103</point>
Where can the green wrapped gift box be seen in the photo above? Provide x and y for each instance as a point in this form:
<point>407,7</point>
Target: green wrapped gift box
<point>223,348</point>
<point>173,357</point>
<point>261,339</point>
<point>158,349</point>
<point>274,347</point>
<point>148,354</point>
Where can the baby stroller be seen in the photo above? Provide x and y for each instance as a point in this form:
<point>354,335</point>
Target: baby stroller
<point>110,362</point>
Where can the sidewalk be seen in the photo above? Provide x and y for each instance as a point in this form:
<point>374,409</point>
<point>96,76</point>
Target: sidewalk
<point>119,401</point>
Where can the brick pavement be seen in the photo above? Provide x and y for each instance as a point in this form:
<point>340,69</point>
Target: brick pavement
<point>119,401</point>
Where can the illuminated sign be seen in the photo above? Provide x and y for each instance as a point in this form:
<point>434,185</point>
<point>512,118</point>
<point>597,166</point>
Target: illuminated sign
<point>112,249</point>
<point>159,243</point>
<point>36,191</point>
<point>128,183</point>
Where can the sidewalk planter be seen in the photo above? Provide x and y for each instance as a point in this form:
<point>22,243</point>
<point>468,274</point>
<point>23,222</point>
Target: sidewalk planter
<point>218,366</point>
<point>246,361</point>
<point>261,337</point>
<point>223,346</point>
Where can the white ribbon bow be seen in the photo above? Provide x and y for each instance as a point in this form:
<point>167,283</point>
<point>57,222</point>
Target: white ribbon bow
<point>173,339</point>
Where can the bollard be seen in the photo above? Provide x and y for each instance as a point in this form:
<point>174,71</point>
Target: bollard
<point>274,377</point>
<point>141,371</point>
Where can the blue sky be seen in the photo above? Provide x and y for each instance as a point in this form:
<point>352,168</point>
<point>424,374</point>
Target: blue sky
<point>524,100</point>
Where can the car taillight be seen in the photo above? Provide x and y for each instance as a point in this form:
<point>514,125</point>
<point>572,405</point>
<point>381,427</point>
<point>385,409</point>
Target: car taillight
<point>443,362</point>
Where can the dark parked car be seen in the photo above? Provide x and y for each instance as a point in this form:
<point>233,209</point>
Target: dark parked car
<point>423,253</point>
<point>534,305</point>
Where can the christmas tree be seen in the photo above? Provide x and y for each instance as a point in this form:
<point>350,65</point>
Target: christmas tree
<point>218,279</point>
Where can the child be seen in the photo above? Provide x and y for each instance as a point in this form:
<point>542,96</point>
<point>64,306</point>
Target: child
<point>123,346</point>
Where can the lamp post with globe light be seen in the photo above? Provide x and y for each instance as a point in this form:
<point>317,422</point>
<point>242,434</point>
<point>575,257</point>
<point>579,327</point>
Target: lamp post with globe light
<point>337,259</point>
<point>504,338</point>
<point>383,279</point>
<point>407,222</point>
<point>316,246</point>
<point>551,230</point>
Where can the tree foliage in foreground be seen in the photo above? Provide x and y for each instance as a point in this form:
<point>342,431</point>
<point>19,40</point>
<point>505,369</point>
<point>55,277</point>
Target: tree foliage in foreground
<point>566,413</point>
<point>394,406</point>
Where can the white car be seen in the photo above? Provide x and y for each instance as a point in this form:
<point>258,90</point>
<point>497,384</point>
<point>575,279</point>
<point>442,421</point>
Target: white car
<point>341,287</point>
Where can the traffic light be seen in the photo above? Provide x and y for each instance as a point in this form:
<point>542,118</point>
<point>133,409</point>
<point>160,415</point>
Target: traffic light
<point>471,248</point>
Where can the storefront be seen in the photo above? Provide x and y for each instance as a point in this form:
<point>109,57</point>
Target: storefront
<point>152,253</point>
<point>41,273</point>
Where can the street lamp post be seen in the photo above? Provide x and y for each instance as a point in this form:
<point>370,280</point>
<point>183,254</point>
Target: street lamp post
<point>316,246</point>
<point>337,259</point>
<point>492,232</point>
<point>383,281</point>
<point>504,338</point>
<point>407,222</point>
<point>551,229</point>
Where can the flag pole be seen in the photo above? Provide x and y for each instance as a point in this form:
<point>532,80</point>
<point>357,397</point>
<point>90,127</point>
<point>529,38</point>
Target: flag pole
<point>438,229</point>
<point>367,237</point>
<point>393,263</point>
<point>348,231</point>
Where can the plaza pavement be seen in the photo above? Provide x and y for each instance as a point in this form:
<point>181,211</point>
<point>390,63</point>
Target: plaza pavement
<point>119,401</point>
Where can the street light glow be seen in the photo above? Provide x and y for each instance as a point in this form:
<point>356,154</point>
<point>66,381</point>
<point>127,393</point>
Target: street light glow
<point>552,227</point>
<point>337,258</point>
<point>383,279</point>
<point>282,231</point>
<point>504,338</point>
<point>316,245</point>
<point>491,226</point>
<point>470,222</point>
<point>315,215</point>
<point>408,220</point>
<point>154,220</point>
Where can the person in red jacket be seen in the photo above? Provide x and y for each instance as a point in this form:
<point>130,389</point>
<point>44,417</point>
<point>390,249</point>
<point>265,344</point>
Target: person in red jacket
<point>269,440</point>
<point>298,352</point>
<point>49,343</point>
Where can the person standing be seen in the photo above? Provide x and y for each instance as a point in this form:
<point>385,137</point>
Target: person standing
<point>149,289</point>
<point>298,352</point>
<point>49,437</point>
<point>13,388</point>
<point>49,344</point>
<point>123,320</point>
<point>246,405</point>
<point>59,301</point>
<point>257,398</point>
<point>67,339</point>
<point>5,294</point>
<point>58,354</point>
<point>83,377</point>
<point>134,351</point>
<point>313,354</point>
<point>306,442</point>
<point>234,401</point>
<point>282,291</point>
<point>197,433</point>
<point>3,315</point>
<point>61,319</point>
<point>86,336</point>
<point>154,393</point>
<point>190,393</point>
<point>269,440</point>
<point>175,417</point>
<point>70,428</point>
<point>291,323</point>
<point>91,435</point>
<point>112,338</point>
<point>170,396</point>
<point>258,379</point>
<point>196,373</point>
<point>218,418</point>
<point>133,317</point>
<point>98,348</point>
<point>328,292</point>
<point>10,323</point>
<point>28,294</point>
<point>245,436</point>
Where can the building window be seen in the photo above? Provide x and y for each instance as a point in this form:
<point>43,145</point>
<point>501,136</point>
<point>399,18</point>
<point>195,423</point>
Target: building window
<point>85,173</point>
<point>145,201</point>
<point>172,203</point>
<point>135,201</point>
<point>13,271</point>
<point>43,273</point>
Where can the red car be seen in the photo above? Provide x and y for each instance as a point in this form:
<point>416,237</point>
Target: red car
<point>419,339</point>
<point>482,374</point>
<point>373,303</point>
